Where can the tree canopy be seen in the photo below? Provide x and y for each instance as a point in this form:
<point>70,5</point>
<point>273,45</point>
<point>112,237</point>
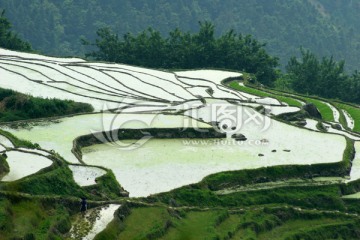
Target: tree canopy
<point>323,77</point>
<point>8,39</point>
<point>185,50</point>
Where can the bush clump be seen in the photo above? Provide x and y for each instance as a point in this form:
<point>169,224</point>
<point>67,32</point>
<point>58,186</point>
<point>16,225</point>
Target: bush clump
<point>15,106</point>
<point>4,166</point>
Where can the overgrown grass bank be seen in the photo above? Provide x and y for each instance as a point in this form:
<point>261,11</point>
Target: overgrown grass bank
<point>32,219</point>
<point>290,101</point>
<point>270,222</point>
<point>324,109</point>
<point>354,113</point>
<point>16,141</point>
<point>4,166</point>
<point>16,106</point>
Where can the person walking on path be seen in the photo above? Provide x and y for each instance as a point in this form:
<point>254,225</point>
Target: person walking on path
<point>83,205</point>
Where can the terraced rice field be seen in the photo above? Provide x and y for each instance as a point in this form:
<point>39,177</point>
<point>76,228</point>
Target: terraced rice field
<point>4,142</point>
<point>24,164</point>
<point>51,135</point>
<point>353,120</point>
<point>140,89</point>
<point>85,175</point>
<point>120,85</point>
<point>256,92</point>
<point>326,111</point>
<point>184,161</point>
<point>128,97</point>
<point>355,170</point>
<point>95,220</point>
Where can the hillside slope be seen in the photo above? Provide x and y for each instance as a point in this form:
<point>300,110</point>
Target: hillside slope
<point>197,154</point>
<point>324,27</point>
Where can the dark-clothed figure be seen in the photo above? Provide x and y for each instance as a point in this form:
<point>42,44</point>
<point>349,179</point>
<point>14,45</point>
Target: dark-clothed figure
<point>83,205</point>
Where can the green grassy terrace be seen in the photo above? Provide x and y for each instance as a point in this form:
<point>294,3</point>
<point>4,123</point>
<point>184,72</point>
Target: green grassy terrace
<point>261,222</point>
<point>354,113</point>
<point>290,99</point>
<point>325,110</point>
<point>42,206</point>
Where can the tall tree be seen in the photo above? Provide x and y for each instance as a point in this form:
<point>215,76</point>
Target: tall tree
<point>304,73</point>
<point>325,77</point>
<point>8,39</point>
<point>185,50</point>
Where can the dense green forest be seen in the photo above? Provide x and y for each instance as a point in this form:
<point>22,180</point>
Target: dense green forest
<point>8,39</point>
<point>326,27</point>
<point>187,51</point>
<point>322,77</point>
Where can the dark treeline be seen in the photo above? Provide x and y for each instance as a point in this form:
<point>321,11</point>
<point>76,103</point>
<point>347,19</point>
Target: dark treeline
<point>8,39</point>
<point>322,77</point>
<point>326,27</point>
<point>185,50</point>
